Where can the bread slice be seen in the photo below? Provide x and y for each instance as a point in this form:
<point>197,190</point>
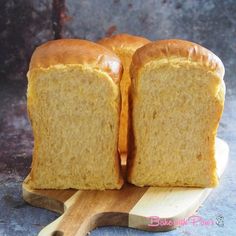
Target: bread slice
<point>124,45</point>
<point>177,97</point>
<point>74,106</point>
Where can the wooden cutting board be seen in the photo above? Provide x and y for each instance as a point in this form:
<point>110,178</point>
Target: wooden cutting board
<point>131,206</point>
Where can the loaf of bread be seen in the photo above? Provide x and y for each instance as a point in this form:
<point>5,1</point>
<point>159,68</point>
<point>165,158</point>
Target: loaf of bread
<point>74,106</point>
<point>177,99</point>
<point>124,45</point>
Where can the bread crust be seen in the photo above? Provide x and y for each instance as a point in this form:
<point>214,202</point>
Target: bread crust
<point>176,48</point>
<point>123,42</point>
<point>77,51</point>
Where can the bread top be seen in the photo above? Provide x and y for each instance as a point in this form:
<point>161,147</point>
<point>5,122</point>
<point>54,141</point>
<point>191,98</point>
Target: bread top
<point>176,49</point>
<point>77,51</point>
<point>123,42</point>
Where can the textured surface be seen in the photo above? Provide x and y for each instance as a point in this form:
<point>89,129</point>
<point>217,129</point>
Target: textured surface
<point>75,113</point>
<point>23,25</point>
<point>210,23</point>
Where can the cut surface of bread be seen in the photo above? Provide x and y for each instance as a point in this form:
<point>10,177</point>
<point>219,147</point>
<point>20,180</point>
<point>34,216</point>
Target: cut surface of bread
<point>177,98</point>
<point>74,105</point>
<point>124,45</point>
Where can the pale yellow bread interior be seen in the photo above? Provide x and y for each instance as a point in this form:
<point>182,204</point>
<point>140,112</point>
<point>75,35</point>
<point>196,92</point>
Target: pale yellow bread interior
<point>124,45</point>
<point>74,111</point>
<point>176,104</point>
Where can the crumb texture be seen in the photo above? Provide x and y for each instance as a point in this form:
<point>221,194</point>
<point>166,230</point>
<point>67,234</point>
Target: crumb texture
<point>176,108</point>
<point>74,112</point>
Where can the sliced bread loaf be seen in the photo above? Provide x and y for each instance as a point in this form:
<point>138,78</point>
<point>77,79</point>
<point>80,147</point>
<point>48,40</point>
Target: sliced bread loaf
<point>74,106</point>
<point>177,98</point>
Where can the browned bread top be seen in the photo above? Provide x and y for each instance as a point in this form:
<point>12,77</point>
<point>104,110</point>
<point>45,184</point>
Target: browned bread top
<point>120,41</point>
<point>176,48</point>
<point>77,51</point>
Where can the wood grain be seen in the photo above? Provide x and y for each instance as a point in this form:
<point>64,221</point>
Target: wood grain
<point>130,207</point>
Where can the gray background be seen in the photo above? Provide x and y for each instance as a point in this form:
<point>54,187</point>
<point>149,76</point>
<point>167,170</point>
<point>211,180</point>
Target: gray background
<point>24,24</point>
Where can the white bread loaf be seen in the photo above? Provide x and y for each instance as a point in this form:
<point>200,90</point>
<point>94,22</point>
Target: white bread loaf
<point>124,45</point>
<point>177,99</point>
<point>74,106</point>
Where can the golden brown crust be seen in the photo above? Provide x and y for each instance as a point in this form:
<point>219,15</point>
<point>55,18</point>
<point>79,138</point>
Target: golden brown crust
<point>123,41</point>
<point>77,51</point>
<point>176,48</point>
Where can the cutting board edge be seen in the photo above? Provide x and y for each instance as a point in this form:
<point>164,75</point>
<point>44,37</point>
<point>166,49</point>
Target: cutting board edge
<point>42,201</point>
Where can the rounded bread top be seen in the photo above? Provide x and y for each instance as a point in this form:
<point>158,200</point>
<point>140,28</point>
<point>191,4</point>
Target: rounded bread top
<point>123,41</point>
<point>77,51</point>
<point>174,49</point>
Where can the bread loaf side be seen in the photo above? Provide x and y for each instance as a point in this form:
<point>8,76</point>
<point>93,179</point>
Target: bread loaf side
<point>124,45</point>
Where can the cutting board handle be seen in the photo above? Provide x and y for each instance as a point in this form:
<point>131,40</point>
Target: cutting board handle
<point>85,211</point>
<point>67,226</point>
